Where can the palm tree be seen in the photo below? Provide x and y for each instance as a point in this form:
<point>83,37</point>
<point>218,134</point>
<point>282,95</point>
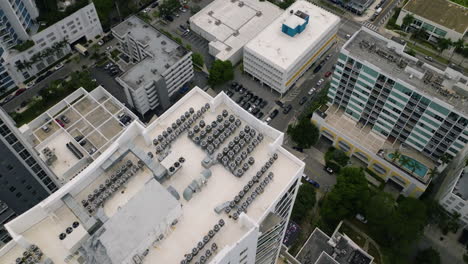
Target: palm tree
<point>446,158</point>
<point>432,172</point>
<point>20,65</point>
<point>407,21</point>
<point>396,155</point>
<point>404,161</point>
<point>414,165</point>
<point>443,44</point>
<point>457,46</point>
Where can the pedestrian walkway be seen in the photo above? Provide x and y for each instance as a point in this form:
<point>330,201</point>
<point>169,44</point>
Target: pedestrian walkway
<point>369,25</point>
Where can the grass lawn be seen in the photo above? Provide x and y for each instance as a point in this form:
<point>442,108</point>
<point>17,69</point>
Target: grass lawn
<point>461,2</point>
<point>358,239</point>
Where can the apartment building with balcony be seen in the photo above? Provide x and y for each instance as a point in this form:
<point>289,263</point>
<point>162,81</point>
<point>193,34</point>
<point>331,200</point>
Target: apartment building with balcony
<point>382,100</point>
<point>161,66</point>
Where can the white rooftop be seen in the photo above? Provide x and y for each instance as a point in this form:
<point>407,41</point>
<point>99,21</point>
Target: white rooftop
<point>92,118</point>
<point>182,223</point>
<point>231,24</point>
<point>283,50</point>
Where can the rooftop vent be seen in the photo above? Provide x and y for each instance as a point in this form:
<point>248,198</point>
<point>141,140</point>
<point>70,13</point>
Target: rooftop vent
<point>167,66</point>
<point>241,4</point>
<point>210,13</point>
<point>154,71</point>
<point>259,13</point>
<point>236,33</point>
<point>163,42</point>
<point>218,22</point>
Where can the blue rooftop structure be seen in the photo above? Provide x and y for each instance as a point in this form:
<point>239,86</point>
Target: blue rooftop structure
<point>295,24</point>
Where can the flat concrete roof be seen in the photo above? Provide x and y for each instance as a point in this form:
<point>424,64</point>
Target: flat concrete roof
<point>233,24</point>
<point>447,86</point>
<point>92,119</point>
<point>461,188</point>
<point>283,50</point>
<point>442,12</point>
<point>163,52</point>
<point>42,224</point>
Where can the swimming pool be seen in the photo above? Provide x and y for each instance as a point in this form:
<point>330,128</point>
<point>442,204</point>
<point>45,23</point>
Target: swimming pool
<point>421,171</point>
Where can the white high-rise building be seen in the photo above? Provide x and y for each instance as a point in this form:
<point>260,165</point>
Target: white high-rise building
<point>283,51</point>
<point>206,182</point>
<point>162,66</point>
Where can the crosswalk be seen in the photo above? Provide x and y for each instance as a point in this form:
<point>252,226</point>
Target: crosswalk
<point>292,94</point>
<point>369,26</point>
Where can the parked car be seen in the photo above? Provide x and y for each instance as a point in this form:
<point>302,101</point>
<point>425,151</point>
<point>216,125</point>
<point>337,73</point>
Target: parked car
<point>361,218</point>
<point>320,82</point>
<point>429,58</point>
<point>125,120</point>
<point>255,110</point>
<point>83,142</point>
<point>309,180</point>
<point>78,138</point>
<point>327,74</point>
<point>298,148</point>
<point>311,91</point>
<point>239,100</point>
<point>329,170</point>
<point>263,104</point>
<point>259,115</point>
<point>155,4</point>
<point>348,36</point>
<point>279,103</point>
<point>303,100</point>
<point>65,119</point>
<point>20,91</point>
<point>58,66</point>
<point>287,109</point>
<point>100,43</point>
<point>169,18</point>
<point>274,113</point>
<point>247,105</point>
<point>318,68</point>
<point>60,122</point>
<point>45,128</point>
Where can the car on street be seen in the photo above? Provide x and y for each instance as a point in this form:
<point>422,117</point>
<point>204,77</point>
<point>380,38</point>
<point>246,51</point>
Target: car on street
<point>58,66</point>
<point>303,100</point>
<point>318,68</point>
<point>287,109</point>
<point>348,36</point>
<point>429,58</point>
<point>8,98</point>
<point>327,74</point>
<point>309,180</point>
<point>311,91</point>
<point>320,82</point>
<point>146,10</point>
<point>279,103</point>
<point>20,91</point>
<point>100,43</point>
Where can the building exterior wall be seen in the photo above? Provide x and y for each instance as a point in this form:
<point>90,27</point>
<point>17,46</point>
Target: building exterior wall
<point>384,169</point>
<point>148,95</point>
<point>397,110</point>
<point>17,18</point>
<point>51,44</point>
<point>435,30</point>
<point>24,179</point>
<point>279,79</point>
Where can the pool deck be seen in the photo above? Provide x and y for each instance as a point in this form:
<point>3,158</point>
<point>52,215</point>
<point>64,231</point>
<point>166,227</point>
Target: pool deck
<point>413,154</point>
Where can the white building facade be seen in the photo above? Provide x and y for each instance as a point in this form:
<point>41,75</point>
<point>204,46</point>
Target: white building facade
<point>283,52</point>
<point>162,66</point>
<point>50,45</point>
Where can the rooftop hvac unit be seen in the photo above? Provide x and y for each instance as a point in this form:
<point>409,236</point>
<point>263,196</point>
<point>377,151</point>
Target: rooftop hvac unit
<point>218,22</point>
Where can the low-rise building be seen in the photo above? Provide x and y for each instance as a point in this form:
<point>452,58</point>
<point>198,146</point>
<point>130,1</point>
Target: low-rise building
<point>162,66</point>
<point>206,181</point>
<point>335,249</point>
<point>290,45</point>
<point>440,18</point>
<point>383,101</point>
<point>357,6</point>
<point>229,25</point>
<point>48,46</point>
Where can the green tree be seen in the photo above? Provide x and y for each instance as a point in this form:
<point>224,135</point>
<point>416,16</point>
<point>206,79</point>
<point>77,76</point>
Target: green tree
<point>197,59</point>
<point>304,133</point>
<point>457,46</point>
<point>380,212</point>
<point>443,44</point>
<point>428,256</point>
<point>348,197</point>
<point>167,7</point>
<point>336,155</point>
<point>405,161</point>
<point>396,155</point>
<point>433,172</point>
<point>304,203</point>
<point>414,165</point>
<point>446,158</point>
<point>220,72</point>
<point>407,21</point>
<point>286,3</point>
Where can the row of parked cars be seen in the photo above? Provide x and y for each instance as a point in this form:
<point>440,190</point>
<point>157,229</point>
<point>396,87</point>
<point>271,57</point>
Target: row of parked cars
<point>248,100</point>
<point>112,69</point>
